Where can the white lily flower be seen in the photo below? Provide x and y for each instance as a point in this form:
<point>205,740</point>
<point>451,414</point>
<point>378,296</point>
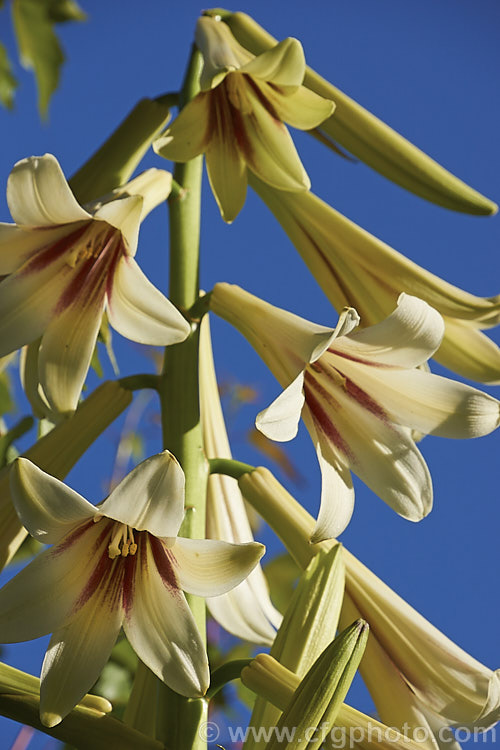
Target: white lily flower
<point>246,611</point>
<point>66,264</point>
<point>420,681</point>
<point>360,395</point>
<point>117,565</point>
<point>238,118</point>
<point>355,268</point>
<point>414,673</point>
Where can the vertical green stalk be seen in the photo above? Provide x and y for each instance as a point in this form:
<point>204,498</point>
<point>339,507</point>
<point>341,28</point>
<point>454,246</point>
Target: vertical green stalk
<point>179,718</point>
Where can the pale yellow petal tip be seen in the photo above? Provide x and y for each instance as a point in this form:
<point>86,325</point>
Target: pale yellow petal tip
<point>50,719</point>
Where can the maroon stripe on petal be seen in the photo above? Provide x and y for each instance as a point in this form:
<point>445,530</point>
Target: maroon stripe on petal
<point>262,98</point>
<point>321,417</point>
<point>365,400</point>
<point>53,251</point>
<point>370,362</point>
<point>163,562</point>
<point>130,564</point>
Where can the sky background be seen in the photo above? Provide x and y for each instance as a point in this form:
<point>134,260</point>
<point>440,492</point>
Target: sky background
<point>430,70</point>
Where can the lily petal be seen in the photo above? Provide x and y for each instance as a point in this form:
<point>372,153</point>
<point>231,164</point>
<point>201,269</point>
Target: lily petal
<point>124,213</point>
<point>280,421</point>
<point>269,149</point>
<point>208,567</point>
<point>38,194</point>
<point>67,347</point>
<point>469,352</point>
<point>151,497</point>
<point>408,337</point>
<point>291,341</point>
<point>220,50</point>
<point>429,403</point>
<point>389,462</point>
<point>139,311</point>
<point>283,65</point>
<point>160,627</point>
<point>189,134</point>
<point>47,507</point>
<point>77,653</point>
<point>18,244</point>
<point>303,109</point>
<point>226,167</point>
<point>337,491</point>
<point>39,598</point>
<point>27,301</point>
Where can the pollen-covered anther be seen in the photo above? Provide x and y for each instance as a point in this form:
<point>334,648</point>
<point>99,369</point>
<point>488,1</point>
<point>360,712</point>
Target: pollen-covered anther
<point>122,542</point>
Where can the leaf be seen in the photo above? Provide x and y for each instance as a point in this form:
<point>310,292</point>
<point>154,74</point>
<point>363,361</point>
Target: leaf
<point>8,83</point>
<point>39,47</point>
<point>61,11</point>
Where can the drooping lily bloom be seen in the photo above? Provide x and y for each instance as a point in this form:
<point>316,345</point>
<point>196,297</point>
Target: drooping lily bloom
<point>66,264</point>
<point>420,681</point>
<point>360,395</point>
<point>246,611</point>
<point>237,119</point>
<point>355,268</point>
<point>415,674</point>
<point>117,565</point>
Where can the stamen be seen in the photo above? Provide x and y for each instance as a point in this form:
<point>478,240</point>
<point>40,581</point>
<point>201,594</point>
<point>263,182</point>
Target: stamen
<point>122,542</point>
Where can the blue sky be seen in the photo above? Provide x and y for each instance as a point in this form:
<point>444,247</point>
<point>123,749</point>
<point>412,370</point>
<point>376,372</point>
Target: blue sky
<point>428,69</point>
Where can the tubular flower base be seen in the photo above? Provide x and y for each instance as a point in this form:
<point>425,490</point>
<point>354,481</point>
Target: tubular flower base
<point>237,118</point>
<point>117,565</point>
<point>360,395</point>
<point>420,681</point>
<point>414,673</point>
<point>246,611</point>
<point>355,268</point>
<point>66,264</point>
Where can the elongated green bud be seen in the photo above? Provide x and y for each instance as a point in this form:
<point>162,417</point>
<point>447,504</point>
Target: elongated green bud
<point>84,727</point>
<point>308,625</point>
<point>58,451</point>
<point>15,682</point>
<point>370,139</point>
<point>316,702</point>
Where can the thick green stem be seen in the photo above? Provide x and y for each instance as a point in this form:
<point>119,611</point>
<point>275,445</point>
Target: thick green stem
<point>179,718</point>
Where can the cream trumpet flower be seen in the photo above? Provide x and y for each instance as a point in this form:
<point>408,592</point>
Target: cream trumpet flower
<point>237,120</point>
<point>246,611</point>
<point>355,268</point>
<point>66,264</point>
<point>117,565</point>
<point>360,395</point>
<point>418,678</point>
<point>415,674</point>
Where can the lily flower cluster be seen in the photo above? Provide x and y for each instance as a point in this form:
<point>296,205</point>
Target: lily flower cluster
<point>363,389</point>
